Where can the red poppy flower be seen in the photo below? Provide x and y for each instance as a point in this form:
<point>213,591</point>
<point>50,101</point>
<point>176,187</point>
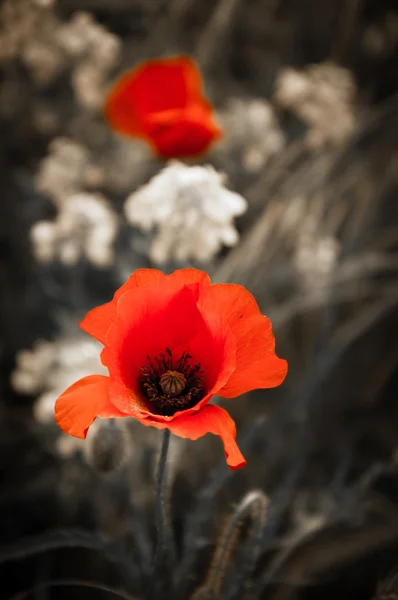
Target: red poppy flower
<point>170,343</point>
<point>162,102</point>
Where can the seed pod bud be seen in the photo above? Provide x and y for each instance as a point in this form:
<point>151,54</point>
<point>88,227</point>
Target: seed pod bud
<point>107,445</point>
<point>172,383</point>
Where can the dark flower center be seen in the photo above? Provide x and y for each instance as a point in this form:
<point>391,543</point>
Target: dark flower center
<point>172,382</point>
<point>171,385</point>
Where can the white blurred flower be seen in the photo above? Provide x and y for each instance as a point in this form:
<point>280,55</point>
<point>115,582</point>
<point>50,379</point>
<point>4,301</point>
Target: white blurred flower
<point>50,367</point>
<point>27,30</point>
<point>95,52</point>
<point>86,227</point>
<point>42,57</point>
<point>323,95</point>
<point>31,30</point>
<point>64,170</point>
<point>251,127</point>
<point>191,209</point>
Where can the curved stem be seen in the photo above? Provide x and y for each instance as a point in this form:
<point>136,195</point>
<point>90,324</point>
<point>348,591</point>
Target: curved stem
<point>161,517</point>
<point>164,546</point>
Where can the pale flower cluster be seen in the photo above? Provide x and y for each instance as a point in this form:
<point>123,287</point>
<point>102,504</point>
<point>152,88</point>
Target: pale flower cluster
<point>50,367</point>
<point>85,226</point>
<point>94,51</point>
<point>323,96</point>
<point>191,210</point>
<point>251,127</point>
<point>23,23</point>
<point>66,170</point>
<point>31,30</point>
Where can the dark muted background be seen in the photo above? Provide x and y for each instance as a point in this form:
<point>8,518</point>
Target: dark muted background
<point>318,248</point>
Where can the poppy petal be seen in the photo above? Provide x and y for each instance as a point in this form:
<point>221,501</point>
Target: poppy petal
<point>257,365</point>
<point>182,133</point>
<point>98,320</point>
<point>78,407</point>
<point>183,139</point>
<point>149,320</point>
<point>189,277</point>
<point>214,347</point>
<point>186,276</point>
<point>154,86</point>
<point>210,419</point>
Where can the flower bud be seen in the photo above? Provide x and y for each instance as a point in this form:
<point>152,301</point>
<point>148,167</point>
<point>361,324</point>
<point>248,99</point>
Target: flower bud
<point>107,445</point>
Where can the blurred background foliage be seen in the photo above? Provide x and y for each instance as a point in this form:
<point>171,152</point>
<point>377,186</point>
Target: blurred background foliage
<point>307,95</point>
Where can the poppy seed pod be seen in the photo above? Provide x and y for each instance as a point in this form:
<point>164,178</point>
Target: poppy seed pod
<point>107,446</point>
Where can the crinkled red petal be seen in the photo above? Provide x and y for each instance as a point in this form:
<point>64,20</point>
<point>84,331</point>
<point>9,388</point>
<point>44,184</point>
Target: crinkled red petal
<point>257,365</point>
<point>183,133</point>
<point>155,86</point>
<point>98,320</point>
<point>78,407</point>
<point>210,419</point>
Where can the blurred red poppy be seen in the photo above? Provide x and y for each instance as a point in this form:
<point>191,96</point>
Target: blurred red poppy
<point>162,102</point>
<point>171,343</point>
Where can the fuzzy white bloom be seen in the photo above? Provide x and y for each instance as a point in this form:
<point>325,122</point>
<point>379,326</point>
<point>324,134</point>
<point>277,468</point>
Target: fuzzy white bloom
<point>191,209</point>
<point>31,30</point>
<point>323,95</point>
<point>252,128</point>
<point>26,30</point>
<point>50,367</point>
<point>85,227</point>
<point>64,171</point>
<point>82,35</point>
<point>95,52</point>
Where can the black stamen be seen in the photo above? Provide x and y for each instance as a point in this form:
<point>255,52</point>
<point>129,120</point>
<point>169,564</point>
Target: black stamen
<point>172,385</point>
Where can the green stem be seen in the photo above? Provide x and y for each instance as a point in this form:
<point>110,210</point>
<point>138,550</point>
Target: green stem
<point>164,546</point>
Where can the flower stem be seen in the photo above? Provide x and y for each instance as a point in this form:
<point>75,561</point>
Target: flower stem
<point>164,546</point>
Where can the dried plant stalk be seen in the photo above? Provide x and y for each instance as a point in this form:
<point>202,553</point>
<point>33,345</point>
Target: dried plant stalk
<point>253,505</point>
